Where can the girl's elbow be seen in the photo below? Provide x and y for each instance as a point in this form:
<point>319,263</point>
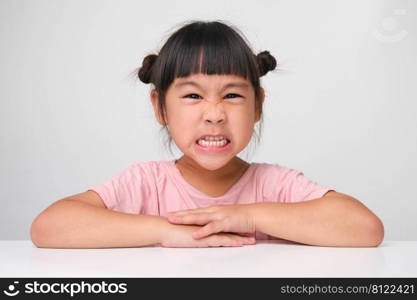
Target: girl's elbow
<point>37,233</point>
<point>376,232</point>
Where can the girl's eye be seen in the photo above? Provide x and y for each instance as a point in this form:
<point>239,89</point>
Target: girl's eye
<point>236,95</point>
<point>193,96</point>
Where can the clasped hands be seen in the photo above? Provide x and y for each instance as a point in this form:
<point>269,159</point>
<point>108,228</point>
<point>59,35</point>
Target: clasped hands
<point>215,219</point>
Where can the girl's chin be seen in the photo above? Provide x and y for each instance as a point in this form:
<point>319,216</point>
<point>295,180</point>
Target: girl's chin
<point>212,162</point>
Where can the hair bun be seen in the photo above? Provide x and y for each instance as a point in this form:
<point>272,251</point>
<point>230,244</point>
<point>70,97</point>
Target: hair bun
<point>144,72</point>
<point>266,62</point>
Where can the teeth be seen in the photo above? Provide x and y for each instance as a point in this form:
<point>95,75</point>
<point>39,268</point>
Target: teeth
<point>212,143</point>
<point>212,138</point>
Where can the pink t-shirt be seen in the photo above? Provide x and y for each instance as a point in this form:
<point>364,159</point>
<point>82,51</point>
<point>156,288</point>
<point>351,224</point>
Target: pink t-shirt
<point>158,187</point>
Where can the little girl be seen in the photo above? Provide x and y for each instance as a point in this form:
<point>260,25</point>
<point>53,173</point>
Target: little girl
<point>207,95</point>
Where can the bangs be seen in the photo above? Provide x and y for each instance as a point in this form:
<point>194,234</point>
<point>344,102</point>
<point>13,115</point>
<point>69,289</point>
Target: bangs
<point>208,48</point>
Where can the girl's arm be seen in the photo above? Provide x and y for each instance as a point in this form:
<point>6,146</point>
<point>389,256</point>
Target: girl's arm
<point>333,220</point>
<point>71,223</point>
<point>83,221</point>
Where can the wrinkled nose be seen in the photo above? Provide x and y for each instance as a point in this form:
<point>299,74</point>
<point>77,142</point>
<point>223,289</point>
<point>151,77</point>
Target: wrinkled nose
<point>215,115</point>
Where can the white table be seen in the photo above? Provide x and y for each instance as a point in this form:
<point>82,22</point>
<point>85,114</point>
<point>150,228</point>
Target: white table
<point>275,258</point>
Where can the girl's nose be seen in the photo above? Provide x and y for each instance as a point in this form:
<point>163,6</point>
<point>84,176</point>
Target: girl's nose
<point>215,114</point>
<point>215,120</point>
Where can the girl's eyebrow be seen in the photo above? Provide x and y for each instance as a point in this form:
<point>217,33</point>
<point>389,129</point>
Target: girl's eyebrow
<point>230,84</point>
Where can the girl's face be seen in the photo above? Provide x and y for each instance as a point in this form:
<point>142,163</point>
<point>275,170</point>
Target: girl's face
<point>202,104</point>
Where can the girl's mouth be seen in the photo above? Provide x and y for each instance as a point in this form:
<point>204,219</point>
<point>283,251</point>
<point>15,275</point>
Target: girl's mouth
<point>213,146</point>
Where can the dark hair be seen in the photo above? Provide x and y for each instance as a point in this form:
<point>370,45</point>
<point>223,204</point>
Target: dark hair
<point>208,48</point>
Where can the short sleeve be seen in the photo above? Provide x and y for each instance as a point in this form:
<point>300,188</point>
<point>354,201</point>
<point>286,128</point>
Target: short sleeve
<point>125,191</point>
<point>301,188</point>
<point>286,185</point>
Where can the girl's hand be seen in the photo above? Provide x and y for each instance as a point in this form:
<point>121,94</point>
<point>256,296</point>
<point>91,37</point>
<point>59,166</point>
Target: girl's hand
<point>220,218</point>
<point>179,236</point>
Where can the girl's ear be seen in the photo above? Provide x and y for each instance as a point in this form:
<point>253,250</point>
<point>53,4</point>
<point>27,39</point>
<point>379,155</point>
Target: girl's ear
<point>261,99</point>
<point>155,105</point>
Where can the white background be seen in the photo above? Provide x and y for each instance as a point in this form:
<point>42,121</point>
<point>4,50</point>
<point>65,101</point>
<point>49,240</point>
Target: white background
<point>341,108</point>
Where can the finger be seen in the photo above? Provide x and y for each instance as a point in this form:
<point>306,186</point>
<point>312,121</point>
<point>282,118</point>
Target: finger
<point>198,219</point>
<point>231,240</point>
<point>241,239</point>
<point>210,228</point>
<point>247,240</point>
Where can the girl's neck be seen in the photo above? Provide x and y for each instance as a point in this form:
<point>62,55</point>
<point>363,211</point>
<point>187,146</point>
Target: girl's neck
<point>236,167</point>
